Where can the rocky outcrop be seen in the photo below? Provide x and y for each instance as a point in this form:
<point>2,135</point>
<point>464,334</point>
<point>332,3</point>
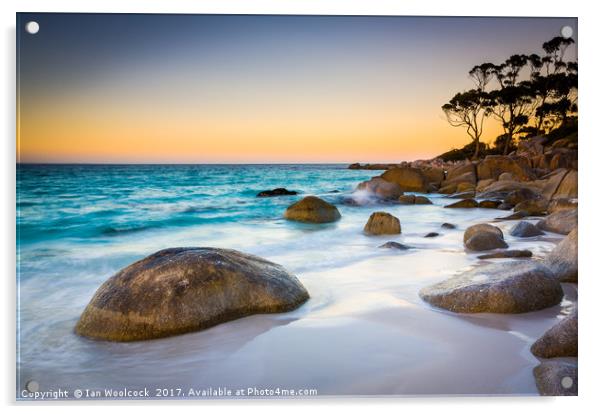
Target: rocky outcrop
<point>181,290</point>
<point>507,254</point>
<point>276,192</point>
<point>466,203</point>
<point>408,178</point>
<point>558,341</point>
<point>525,229</point>
<point>556,378</point>
<point>494,165</point>
<point>563,260</point>
<point>509,287</point>
<point>312,209</point>
<point>382,223</point>
<point>562,222</point>
<point>481,237</point>
<point>380,188</point>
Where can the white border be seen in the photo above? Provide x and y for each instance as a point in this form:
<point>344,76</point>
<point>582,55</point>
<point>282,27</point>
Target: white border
<point>590,101</point>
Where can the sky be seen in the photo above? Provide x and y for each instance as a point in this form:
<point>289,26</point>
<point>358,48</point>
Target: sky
<point>119,88</point>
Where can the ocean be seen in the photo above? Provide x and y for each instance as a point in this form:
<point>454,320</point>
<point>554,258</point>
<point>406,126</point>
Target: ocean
<point>364,331</point>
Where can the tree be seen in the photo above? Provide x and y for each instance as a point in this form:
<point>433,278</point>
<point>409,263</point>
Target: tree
<point>469,110</point>
<point>511,103</point>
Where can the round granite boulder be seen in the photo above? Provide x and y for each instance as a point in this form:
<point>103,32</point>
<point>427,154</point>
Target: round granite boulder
<point>559,341</point>
<point>179,290</point>
<point>312,209</point>
<point>525,229</point>
<point>509,287</point>
<point>481,237</point>
<point>563,222</point>
<point>382,223</point>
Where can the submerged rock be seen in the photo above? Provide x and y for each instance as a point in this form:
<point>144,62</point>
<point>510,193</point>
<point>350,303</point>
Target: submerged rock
<point>276,192</point>
<point>448,226</point>
<point>180,290</point>
<point>563,260</point>
<point>382,223</point>
<point>432,234</point>
<point>507,254</point>
<point>556,378</point>
<point>562,222</point>
<point>525,229</point>
<point>558,341</point>
<point>394,245</point>
<point>312,209</point>
<point>509,287</point>
<point>481,237</point>
<point>467,203</point>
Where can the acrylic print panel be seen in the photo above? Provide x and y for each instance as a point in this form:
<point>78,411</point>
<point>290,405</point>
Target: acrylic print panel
<point>255,206</point>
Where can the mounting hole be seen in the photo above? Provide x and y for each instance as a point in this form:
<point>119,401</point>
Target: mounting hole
<point>566,31</point>
<point>566,382</point>
<point>32,27</point>
<point>32,386</point>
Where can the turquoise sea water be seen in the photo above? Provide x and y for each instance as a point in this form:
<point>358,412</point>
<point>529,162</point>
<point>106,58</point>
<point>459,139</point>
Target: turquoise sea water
<point>364,330</point>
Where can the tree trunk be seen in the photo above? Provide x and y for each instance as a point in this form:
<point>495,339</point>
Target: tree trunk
<point>476,151</point>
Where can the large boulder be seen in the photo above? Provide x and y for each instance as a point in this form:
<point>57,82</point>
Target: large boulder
<point>508,287</point>
<point>181,290</point>
<point>381,188</point>
<point>568,187</point>
<point>558,341</point>
<point>312,209</point>
<point>552,182</point>
<point>382,223</point>
<point>560,204</point>
<point>507,254</point>
<point>494,165</point>
<point>461,170</point>
<point>408,178</point>
<point>563,260</point>
<point>501,189</point>
<point>483,184</point>
<point>564,158</point>
<point>562,222</point>
<point>525,229</point>
<point>556,378</point>
<point>434,175</point>
<point>537,207</point>
<point>522,194</point>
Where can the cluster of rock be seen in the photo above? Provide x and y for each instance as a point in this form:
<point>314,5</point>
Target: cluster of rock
<point>517,287</point>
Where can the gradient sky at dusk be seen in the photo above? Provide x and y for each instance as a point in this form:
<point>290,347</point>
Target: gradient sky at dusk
<point>214,88</point>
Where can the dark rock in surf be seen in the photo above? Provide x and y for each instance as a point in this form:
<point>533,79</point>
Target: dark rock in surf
<point>276,192</point>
